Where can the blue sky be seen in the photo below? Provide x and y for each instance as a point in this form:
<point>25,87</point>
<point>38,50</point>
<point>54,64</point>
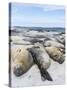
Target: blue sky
<point>37,15</point>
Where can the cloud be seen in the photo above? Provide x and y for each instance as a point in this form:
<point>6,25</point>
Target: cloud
<point>19,18</point>
<point>47,7</point>
<point>52,8</point>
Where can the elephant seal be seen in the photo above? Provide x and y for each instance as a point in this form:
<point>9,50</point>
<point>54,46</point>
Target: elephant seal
<point>55,54</point>
<point>21,61</point>
<point>61,38</point>
<point>41,58</point>
<point>53,43</point>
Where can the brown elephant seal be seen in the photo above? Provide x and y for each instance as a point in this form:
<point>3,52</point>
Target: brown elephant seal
<point>41,58</point>
<point>55,54</point>
<point>21,61</point>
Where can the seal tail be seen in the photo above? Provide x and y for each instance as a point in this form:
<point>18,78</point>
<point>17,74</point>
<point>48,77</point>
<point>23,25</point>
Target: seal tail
<point>45,75</point>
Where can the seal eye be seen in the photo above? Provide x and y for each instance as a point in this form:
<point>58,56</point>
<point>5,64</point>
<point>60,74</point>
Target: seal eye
<point>55,55</point>
<point>18,70</point>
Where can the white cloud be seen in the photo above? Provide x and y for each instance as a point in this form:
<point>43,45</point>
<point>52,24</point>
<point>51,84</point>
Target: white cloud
<point>52,8</point>
<point>45,7</point>
<point>49,7</point>
<point>37,20</point>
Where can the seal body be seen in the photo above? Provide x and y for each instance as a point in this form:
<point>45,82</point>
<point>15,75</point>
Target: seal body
<point>55,54</point>
<point>21,61</point>
<point>50,43</point>
<point>41,58</point>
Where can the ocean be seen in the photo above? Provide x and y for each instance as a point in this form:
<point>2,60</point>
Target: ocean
<point>17,29</point>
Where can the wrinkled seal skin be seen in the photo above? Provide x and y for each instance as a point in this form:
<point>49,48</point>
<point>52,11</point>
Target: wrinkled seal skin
<point>22,61</point>
<point>55,54</point>
<point>41,58</point>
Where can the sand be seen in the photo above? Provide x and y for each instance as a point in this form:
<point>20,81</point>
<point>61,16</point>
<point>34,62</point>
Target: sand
<point>33,77</point>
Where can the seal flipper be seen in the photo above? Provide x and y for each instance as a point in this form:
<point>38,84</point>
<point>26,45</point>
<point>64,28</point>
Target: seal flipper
<point>45,75</point>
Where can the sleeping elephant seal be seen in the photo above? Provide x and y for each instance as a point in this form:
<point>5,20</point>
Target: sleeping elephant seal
<point>52,43</point>
<point>22,61</point>
<point>41,58</point>
<point>55,54</point>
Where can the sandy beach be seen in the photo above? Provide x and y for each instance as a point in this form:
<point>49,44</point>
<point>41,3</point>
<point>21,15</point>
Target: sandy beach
<point>32,77</point>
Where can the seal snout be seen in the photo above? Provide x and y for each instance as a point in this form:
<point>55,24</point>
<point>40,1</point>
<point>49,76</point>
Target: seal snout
<point>60,62</point>
<point>62,59</point>
<point>18,70</point>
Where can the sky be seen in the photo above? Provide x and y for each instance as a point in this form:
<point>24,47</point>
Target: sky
<point>37,15</point>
